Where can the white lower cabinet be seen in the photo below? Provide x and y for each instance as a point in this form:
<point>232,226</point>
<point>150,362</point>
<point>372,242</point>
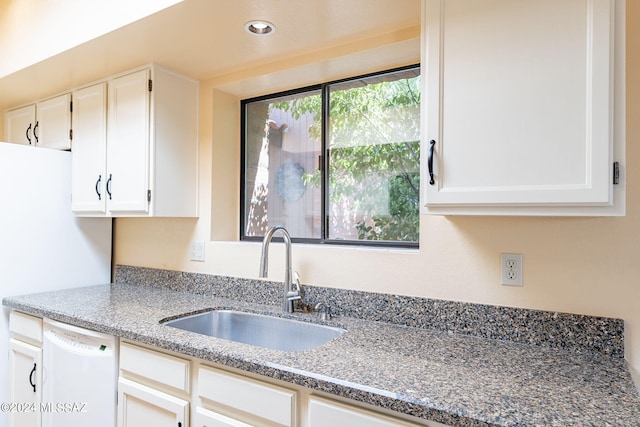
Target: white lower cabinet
<point>206,418</point>
<point>325,412</point>
<point>25,361</point>
<point>139,405</point>
<point>25,370</point>
<point>158,388</point>
<point>153,388</point>
<point>247,399</point>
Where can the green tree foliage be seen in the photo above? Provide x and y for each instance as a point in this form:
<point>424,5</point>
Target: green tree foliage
<point>374,154</point>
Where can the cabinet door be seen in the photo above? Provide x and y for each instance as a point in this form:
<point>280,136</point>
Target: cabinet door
<point>206,418</point>
<point>128,143</point>
<point>53,124</point>
<point>18,125</point>
<point>88,154</point>
<point>139,405</point>
<point>518,100</point>
<point>25,381</point>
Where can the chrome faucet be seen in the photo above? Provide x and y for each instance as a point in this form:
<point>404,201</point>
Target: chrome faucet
<point>289,295</point>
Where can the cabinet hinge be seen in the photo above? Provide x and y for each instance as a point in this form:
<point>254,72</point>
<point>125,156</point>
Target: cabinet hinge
<point>150,85</point>
<point>148,195</point>
<point>616,173</point>
<point>70,134</point>
<point>71,106</point>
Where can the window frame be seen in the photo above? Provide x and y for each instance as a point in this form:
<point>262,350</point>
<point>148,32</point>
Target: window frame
<point>323,89</point>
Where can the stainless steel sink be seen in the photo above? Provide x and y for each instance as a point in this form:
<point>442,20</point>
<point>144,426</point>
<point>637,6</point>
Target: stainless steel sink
<point>263,331</point>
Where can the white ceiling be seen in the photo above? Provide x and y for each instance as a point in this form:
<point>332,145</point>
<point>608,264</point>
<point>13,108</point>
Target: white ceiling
<point>205,39</point>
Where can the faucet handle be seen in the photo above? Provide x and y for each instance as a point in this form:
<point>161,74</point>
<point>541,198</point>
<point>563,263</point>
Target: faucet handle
<point>296,281</point>
<point>323,309</point>
<point>295,294</point>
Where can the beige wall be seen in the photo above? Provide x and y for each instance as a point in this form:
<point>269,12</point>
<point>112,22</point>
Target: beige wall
<point>578,265</point>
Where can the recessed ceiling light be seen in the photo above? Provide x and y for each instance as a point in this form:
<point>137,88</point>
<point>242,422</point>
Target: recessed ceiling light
<point>260,28</point>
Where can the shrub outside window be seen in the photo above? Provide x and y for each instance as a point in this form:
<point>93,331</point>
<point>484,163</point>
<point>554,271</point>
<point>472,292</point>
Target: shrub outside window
<point>335,163</point>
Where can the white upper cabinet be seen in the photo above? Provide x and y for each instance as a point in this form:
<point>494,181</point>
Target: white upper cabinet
<point>18,125</point>
<point>88,157</point>
<point>128,151</point>
<point>44,124</point>
<point>524,102</point>
<point>144,161</point>
<point>53,124</point>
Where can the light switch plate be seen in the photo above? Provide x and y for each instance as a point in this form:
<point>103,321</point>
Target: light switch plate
<point>196,252</point>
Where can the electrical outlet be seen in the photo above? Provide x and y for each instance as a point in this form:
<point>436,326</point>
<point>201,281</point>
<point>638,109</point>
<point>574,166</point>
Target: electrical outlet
<point>511,269</point>
<point>196,251</point>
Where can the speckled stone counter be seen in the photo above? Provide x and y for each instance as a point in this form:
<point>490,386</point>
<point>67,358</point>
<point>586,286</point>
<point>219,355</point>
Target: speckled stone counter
<point>455,379</point>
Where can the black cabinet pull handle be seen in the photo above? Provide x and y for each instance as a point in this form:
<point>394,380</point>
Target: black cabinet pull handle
<point>97,187</point>
<point>430,161</point>
<point>109,187</point>
<point>31,381</point>
<point>27,134</point>
<point>35,131</point>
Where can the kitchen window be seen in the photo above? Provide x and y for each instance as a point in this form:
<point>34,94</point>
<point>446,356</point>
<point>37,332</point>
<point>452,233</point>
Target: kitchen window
<point>335,163</point>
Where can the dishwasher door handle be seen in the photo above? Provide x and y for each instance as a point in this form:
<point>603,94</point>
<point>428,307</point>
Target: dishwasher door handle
<point>75,347</point>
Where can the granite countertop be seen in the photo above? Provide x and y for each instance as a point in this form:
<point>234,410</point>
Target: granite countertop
<point>449,378</point>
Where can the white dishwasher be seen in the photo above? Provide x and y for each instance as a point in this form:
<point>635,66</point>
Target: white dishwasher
<point>80,371</point>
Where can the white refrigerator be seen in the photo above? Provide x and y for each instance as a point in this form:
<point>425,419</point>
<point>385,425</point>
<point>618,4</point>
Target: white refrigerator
<point>43,246</point>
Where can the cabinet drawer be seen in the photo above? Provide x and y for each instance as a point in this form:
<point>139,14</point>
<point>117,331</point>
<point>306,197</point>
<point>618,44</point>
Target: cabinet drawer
<point>266,401</point>
<point>155,366</point>
<point>324,412</point>
<point>206,418</point>
<point>26,327</point>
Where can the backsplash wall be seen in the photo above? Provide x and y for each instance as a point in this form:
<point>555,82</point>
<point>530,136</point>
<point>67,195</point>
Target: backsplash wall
<point>570,332</point>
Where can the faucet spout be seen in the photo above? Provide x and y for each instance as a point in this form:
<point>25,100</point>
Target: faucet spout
<point>289,294</point>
